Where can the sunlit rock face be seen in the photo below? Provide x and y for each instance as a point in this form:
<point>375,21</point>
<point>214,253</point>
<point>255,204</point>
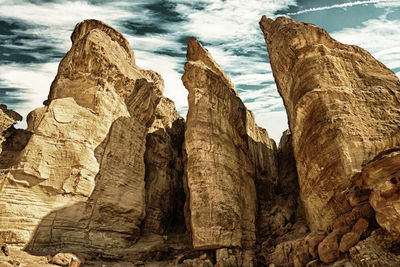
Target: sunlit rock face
<point>228,158</point>
<point>342,106</point>
<point>78,181</point>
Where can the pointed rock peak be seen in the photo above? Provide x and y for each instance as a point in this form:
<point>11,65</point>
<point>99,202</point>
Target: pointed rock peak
<point>267,23</point>
<point>10,113</point>
<point>196,52</point>
<point>297,34</point>
<point>84,27</point>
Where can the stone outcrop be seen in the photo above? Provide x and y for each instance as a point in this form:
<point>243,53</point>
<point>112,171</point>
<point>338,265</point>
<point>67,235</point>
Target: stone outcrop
<point>108,171</point>
<point>342,106</point>
<point>381,176</point>
<point>284,237</point>
<point>81,181</point>
<point>7,119</point>
<point>231,162</point>
<point>14,139</point>
<point>164,171</point>
<point>379,249</point>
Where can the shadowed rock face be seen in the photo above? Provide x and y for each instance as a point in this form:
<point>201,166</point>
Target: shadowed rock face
<point>165,197</point>
<point>79,181</point>
<point>342,107</point>
<point>228,158</point>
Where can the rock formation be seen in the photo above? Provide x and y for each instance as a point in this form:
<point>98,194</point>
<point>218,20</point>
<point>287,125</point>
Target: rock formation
<point>80,181</point>
<point>7,119</point>
<point>231,162</point>
<point>164,170</point>
<point>342,107</point>
<point>16,138</point>
<point>108,170</point>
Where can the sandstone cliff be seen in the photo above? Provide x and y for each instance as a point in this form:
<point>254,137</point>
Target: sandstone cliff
<point>342,107</point>
<point>228,159</point>
<point>81,181</point>
<point>107,169</point>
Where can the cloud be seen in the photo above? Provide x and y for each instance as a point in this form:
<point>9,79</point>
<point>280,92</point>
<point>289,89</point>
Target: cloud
<point>55,20</point>
<point>343,5</point>
<point>391,4</point>
<point>224,21</point>
<point>33,82</point>
<point>275,123</point>
<point>235,42</point>
<point>229,30</point>
<point>380,37</point>
<point>166,66</point>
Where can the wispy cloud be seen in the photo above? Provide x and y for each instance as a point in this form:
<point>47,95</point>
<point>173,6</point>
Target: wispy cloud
<point>33,82</point>
<point>157,31</point>
<point>55,20</point>
<point>389,3</point>
<point>381,37</point>
<point>343,5</point>
<point>229,30</point>
<point>234,40</point>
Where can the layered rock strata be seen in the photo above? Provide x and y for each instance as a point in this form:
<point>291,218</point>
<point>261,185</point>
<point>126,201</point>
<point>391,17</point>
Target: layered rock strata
<point>342,106</point>
<point>231,162</point>
<point>165,197</point>
<point>79,183</point>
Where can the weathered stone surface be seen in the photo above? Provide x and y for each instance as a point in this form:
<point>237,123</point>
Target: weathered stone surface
<point>66,259</point>
<point>296,252</point>
<point>360,227</point>
<point>284,231</point>
<point>348,240</point>
<point>328,249</point>
<point>20,258</point>
<point>380,249</point>
<point>7,119</point>
<point>79,181</point>
<point>382,176</point>
<point>164,170</point>
<point>228,154</point>
<point>342,107</point>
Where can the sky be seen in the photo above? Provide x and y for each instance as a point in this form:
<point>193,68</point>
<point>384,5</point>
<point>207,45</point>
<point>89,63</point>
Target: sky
<point>35,35</point>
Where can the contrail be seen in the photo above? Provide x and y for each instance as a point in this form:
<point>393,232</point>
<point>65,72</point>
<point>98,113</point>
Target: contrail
<point>356,3</point>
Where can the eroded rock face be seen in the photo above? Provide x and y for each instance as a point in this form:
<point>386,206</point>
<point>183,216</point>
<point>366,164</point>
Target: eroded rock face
<point>285,235</point>
<point>342,106</point>
<point>228,155</point>
<point>79,182</point>
<point>381,176</point>
<point>379,249</point>
<point>164,171</point>
<point>7,119</point>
